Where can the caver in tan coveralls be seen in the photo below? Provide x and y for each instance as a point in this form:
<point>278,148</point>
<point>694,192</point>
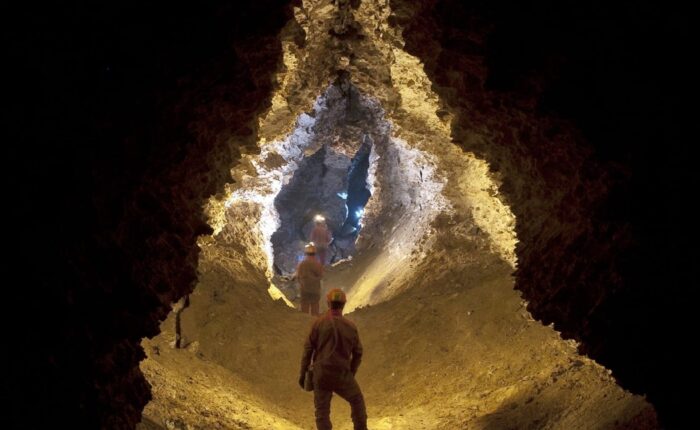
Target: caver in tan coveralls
<point>309,274</point>
<point>321,237</point>
<point>336,360</point>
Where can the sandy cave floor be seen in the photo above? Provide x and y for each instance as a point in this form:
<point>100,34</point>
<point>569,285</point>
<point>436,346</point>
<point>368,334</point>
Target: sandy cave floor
<point>455,350</point>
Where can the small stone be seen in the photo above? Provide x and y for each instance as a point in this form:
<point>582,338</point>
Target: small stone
<point>193,347</point>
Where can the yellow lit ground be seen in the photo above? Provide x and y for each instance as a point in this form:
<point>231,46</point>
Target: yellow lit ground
<point>455,350</point>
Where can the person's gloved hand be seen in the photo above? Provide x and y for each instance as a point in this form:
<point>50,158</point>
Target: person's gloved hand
<point>301,381</point>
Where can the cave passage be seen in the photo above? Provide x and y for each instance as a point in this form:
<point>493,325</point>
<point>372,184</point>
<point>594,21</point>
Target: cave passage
<point>521,263</point>
<point>448,341</point>
<point>429,286</point>
<point>329,184</point>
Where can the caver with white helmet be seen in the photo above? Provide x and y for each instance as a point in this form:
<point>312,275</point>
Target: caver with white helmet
<point>309,273</point>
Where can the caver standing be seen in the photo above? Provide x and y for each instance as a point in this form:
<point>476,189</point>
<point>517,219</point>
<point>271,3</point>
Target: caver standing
<point>334,350</point>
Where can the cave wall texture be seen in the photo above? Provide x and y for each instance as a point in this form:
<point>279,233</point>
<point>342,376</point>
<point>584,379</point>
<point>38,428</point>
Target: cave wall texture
<point>622,296</point>
<point>125,118</point>
<point>126,124</point>
<point>598,255</point>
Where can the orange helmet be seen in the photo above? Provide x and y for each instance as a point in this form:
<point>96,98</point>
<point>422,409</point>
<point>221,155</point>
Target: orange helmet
<point>336,295</point>
<point>310,248</point>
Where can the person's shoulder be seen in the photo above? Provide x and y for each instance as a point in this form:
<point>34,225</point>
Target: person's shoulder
<point>317,322</point>
<point>308,262</point>
<point>348,322</point>
<point>323,318</point>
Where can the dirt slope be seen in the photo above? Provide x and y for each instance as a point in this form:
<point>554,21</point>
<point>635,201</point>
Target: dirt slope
<point>455,350</point>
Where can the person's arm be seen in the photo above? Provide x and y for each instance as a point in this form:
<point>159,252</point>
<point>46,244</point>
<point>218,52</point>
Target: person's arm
<point>356,356</point>
<point>309,347</point>
<point>319,272</point>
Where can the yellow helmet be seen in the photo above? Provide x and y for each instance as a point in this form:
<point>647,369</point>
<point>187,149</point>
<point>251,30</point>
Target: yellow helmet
<point>336,295</point>
<point>310,248</point>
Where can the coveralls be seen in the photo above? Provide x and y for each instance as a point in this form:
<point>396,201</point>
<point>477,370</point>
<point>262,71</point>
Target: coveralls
<point>321,237</point>
<point>309,274</point>
<point>334,344</point>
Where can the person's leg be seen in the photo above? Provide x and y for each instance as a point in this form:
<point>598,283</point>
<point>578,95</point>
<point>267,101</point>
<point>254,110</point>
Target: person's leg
<point>314,308</point>
<point>322,403</point>
<point>305,306</point>
<point>350,391</point>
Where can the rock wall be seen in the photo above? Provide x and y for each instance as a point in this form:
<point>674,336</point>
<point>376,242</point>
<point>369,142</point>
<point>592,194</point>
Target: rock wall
<point>563,103</point>
<point>131,115</point>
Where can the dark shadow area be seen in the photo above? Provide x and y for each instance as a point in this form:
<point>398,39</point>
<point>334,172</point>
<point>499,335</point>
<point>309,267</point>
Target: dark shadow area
<point>107,175</point>
<point>357,194</point>
<point>147,424</point>
<point>534,409</point>
<point>521,413</point>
